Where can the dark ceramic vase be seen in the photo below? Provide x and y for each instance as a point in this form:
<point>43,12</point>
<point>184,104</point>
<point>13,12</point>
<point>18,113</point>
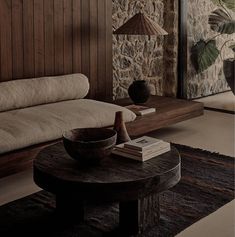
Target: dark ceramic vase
<point>139,91</point>
<point>229,70</point>
<point>120,128</point>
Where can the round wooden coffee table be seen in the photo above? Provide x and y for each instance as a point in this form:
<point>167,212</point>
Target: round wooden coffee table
<point>135,185</point>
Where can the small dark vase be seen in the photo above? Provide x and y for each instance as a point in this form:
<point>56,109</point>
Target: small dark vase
<point>120,128</point>
<point>139,91</point>
<point>229,73</point>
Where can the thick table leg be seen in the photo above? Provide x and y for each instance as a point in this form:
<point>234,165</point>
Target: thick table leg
<point>69,208</point>
<point>139,215</point>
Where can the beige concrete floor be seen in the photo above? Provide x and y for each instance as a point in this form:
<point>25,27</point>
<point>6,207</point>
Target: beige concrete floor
<point>17,186</point>
<point>213,131</point>
<point>224,101</point>
<point>218,224</point>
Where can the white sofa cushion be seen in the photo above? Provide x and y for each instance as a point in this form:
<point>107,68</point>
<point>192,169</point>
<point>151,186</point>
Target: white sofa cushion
<point>34,125</point>
<point>18,94</point>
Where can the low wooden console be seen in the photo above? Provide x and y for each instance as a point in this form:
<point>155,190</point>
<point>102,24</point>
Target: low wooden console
<point>168,111</point>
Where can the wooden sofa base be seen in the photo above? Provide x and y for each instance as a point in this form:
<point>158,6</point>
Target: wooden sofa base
<point>20,160</point>
<point>168,111</point>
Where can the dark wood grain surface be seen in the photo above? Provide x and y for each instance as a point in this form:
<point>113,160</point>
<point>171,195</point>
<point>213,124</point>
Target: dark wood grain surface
<point>114,179</point>
<point>135,185</point>
<point>20,160</point>
<point>56,37</point>
<point>168,111</point>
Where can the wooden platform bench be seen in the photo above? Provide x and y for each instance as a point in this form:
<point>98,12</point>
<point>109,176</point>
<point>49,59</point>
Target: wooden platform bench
<point>168,111</point>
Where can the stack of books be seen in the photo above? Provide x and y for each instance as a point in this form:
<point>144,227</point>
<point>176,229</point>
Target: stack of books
<point>142,148</point>
<point>141,110</point>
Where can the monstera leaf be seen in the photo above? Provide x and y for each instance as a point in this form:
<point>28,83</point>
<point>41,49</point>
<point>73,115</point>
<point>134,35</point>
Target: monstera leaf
<point>221,22</point>
<point>204,54</point>
<point>228,3</point>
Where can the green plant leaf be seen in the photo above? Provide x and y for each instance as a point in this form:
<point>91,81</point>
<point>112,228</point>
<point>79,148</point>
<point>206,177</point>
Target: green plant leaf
<point>227,3</point>
<point>232,47</point>
<point>204,54</point>
<point>220,22</point>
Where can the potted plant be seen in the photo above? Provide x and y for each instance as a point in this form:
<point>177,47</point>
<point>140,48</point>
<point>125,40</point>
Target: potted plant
<point>205,52</point>
<point>229,68</point>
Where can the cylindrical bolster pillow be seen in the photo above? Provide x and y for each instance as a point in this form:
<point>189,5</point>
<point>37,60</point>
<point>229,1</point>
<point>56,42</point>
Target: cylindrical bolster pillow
<point>29,92</point>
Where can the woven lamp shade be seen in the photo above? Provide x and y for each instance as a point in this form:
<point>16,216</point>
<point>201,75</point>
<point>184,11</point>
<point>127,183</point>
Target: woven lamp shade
<point>140,24</point>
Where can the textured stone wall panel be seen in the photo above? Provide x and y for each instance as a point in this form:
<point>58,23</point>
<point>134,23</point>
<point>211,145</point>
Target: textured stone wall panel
<point>143,57</point>
<point>170,75</point>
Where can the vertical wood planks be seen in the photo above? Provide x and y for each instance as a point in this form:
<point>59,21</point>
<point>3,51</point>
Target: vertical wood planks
<point>6,37</point>
<point>77,55</point>
<point>56,37</point>
<point>109,51</point>
<point>85,32</point>
<point>68,36</point>
<point>59,36</point>
<point>17,39</point>
<point>28,38</point>
<point>49,37</point>
<point>101,87</point>
<point>39,38</point>
<point>94,46</point>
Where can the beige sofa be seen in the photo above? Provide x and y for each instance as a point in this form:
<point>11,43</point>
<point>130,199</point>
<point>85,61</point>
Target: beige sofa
<point>38,111</point>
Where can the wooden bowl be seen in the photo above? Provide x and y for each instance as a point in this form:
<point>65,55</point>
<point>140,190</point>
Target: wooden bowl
<point>89,145</point>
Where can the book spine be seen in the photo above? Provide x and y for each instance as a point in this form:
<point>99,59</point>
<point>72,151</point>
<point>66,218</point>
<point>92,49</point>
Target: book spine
<point>133,157</point>
<point>156,148</point>
<point>149,147</point>
<point>129,151</point>
<point>144,153</point>
<point>156,154</point>
<point>147,111</point>
<point>144,158</point>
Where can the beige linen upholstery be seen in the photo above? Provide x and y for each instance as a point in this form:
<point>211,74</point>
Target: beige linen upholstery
<point>24,127</point>
<point>29,92</point>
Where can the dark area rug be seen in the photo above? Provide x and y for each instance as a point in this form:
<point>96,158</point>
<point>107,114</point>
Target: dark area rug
<point>207,184</point>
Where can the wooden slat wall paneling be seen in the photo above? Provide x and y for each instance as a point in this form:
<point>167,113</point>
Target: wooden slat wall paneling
<point>55,37</point>
<point>85,32</point>
<point>93,46</point>
<point>109,50</point>
<point>6,36</point>
<point>68,36</point>
<point>0,44</point>
<point>39,37</point>
<point>59,36</point>
<point>28,38</point>
<point>101,87</point>
<point>77,36</point>
<point>49,37</point>
<point>17,39</point>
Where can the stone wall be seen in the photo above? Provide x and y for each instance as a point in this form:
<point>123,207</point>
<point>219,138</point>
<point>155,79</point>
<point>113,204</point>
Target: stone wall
<point>170,56</point>
<point>212,80</point>
<point>141,57</point>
